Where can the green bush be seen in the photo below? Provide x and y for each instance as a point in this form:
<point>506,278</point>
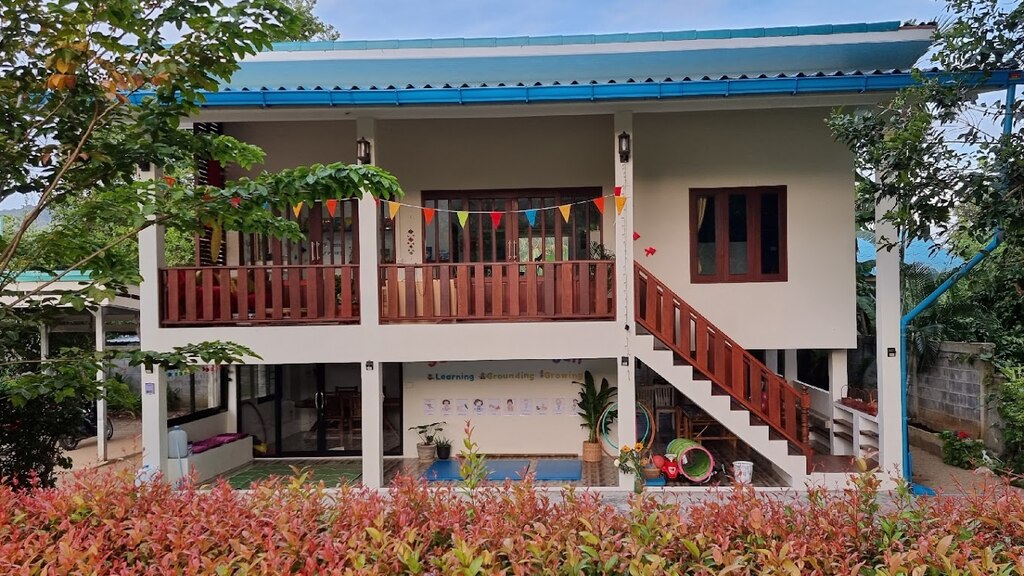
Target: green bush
<point>960,450</point>
<point>102,524</point>
<point>1011,411</point>
<point>121,398</point>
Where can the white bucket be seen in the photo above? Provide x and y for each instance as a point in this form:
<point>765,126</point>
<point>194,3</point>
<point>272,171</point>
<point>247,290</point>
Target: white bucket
<point>177,443</point>
<point>743,471</point>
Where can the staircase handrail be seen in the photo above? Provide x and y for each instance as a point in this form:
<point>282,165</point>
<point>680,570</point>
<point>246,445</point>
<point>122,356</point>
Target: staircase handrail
<point>705,347</point>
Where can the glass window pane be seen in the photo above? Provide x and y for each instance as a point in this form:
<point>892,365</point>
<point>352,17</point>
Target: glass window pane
<point>706,265</point>
<point>737,234</point>
<point>771,234</point>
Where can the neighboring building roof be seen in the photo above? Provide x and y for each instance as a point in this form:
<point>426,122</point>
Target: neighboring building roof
<point>71,276</point>
<point>519,70</point>
<point>918,252</point>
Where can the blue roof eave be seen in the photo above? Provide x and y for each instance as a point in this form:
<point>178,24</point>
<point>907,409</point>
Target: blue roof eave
<point>866,83</point>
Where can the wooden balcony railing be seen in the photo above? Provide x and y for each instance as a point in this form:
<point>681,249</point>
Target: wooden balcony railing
<point>712,353</point>
<point>505,291</point>
<point>238,295</point>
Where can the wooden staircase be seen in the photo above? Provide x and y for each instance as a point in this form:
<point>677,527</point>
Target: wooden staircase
<point>751,386</point>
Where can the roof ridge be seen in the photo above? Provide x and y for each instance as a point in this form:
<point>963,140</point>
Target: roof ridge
<point>583,39</point>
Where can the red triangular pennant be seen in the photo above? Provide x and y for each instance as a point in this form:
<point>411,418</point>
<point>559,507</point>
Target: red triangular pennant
<point>599,202</point>
<point>496,219</point>
<point>332,207</point>
<point>618,190</point>
<point>428,215</point>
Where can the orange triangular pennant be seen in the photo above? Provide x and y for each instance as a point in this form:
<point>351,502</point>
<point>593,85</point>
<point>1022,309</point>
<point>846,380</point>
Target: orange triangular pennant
<point>332,207</point>
<point>599,202</point>
<point>428,215</point>
<point>297,209</point>
<point>565,209</point>
<point>393,208</point>
<point>496,219</point>
<point>620,201</point>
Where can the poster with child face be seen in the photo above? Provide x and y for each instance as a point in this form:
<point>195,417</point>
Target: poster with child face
<point>510,407</point>
<point>478,406</point>
<point>446,407</point>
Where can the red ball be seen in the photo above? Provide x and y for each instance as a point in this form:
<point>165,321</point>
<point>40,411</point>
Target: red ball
<point>659,461</point>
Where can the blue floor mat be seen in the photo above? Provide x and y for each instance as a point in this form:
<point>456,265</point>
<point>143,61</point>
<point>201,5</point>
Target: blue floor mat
<point>443,471</point>
<point>559,470</point>
<point>507,469</point>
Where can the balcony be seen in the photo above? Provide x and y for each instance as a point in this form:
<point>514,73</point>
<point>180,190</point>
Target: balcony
<point>251,295</point>
<point>424,293</point>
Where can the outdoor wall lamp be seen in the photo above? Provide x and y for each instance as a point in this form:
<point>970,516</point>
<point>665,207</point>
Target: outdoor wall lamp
<point>363,151</point>
<point>624,361</point>
<point>625,145</point>
<point>369,364</point>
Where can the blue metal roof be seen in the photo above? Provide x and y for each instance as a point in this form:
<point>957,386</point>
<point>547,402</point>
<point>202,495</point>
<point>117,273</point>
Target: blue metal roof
<point>576,39</point>
<point>662,65</point>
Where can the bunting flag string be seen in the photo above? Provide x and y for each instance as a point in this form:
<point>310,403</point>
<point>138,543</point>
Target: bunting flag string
<point>565,209</point>
<point>620,202</point>
<point>531,217</point>
<point>496,219</point>
<point>599,202</point>
<point>428,215</point>
<point>393,208</point>
<point>463,216</point>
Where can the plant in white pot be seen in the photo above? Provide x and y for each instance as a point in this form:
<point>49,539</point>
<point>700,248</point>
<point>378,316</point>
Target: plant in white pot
<point>593,402</point>
<point>427,432</point>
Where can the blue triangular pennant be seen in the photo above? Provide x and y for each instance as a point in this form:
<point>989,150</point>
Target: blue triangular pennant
<point>531,217</point>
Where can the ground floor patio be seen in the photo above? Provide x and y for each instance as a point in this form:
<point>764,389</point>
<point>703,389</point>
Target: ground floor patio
<point>546,470</point>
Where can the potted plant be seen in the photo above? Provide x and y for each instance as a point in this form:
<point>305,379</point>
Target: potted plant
<point>444,448</point>
<point>593,402</point>
<point>427,433</point>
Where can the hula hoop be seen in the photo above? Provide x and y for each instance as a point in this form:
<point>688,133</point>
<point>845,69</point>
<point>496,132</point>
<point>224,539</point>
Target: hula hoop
<point>612,450</point>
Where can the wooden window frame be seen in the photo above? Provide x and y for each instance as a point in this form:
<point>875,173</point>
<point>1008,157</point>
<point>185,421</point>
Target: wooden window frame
<point>754,237</point>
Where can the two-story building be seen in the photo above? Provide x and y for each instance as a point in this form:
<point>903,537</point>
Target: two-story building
<point>667,210</point>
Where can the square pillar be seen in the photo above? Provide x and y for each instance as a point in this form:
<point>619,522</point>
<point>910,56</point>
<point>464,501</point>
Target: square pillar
<point>625,315</point>
<point>373,423</point>
<point>154,418</point>
<point>790,371</point>
<point>889,345</point>
<point>771,360</point>
<point>101,378</point>
<point>838,375</point>
<point>369,292</point>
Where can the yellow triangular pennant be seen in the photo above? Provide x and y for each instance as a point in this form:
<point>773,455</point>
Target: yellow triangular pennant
<point>393,208</point>
<point>297,209</point>
<point>620,201</point>
<point>463,216</point>
<point>565,209</point>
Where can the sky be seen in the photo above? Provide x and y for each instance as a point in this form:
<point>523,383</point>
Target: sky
<point>390,19</point>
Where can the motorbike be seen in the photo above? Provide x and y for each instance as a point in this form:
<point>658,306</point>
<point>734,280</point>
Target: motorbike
<point>87,429</point>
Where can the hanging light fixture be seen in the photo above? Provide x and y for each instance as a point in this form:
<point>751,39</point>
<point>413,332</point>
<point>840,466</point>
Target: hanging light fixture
<point>625,145</point>
<point>363,151</point>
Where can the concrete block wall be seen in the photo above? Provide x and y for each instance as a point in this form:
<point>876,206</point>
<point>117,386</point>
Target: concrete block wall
<point>954,393</point>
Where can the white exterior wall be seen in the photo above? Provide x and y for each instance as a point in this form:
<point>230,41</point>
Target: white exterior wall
<point>494,153</point>
<point>490,382</point>
<point>791,147</point>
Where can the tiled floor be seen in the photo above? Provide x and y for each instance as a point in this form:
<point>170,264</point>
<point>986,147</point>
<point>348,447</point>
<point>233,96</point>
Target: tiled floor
<point>348,470</point>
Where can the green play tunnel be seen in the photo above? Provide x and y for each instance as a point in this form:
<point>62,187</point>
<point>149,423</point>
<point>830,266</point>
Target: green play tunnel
<point>695,462</point>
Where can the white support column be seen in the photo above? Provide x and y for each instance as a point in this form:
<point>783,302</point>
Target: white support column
<point>790,371</point>
<point>373,423</point>
<point>154,418</point>
<point>232,399</point>
<point>887,326</point>
<point>101,379</point>
<point>624,285</point>
<point>369,293</point>
<point>838,376</point>
<point>372,391</point>
<point>44,341</point>
<point>771,360</point>
<point>154,383</point>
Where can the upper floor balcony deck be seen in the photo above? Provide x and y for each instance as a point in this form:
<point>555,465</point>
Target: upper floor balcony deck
<point>329,294</point>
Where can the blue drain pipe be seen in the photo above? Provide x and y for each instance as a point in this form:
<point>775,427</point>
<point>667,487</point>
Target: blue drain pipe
<point>905,321</point>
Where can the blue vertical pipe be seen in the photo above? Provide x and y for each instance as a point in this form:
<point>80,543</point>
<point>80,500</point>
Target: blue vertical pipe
<point>997,235</point>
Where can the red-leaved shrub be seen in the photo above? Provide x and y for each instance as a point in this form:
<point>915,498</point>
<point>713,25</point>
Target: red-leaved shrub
<point>102,524</point>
